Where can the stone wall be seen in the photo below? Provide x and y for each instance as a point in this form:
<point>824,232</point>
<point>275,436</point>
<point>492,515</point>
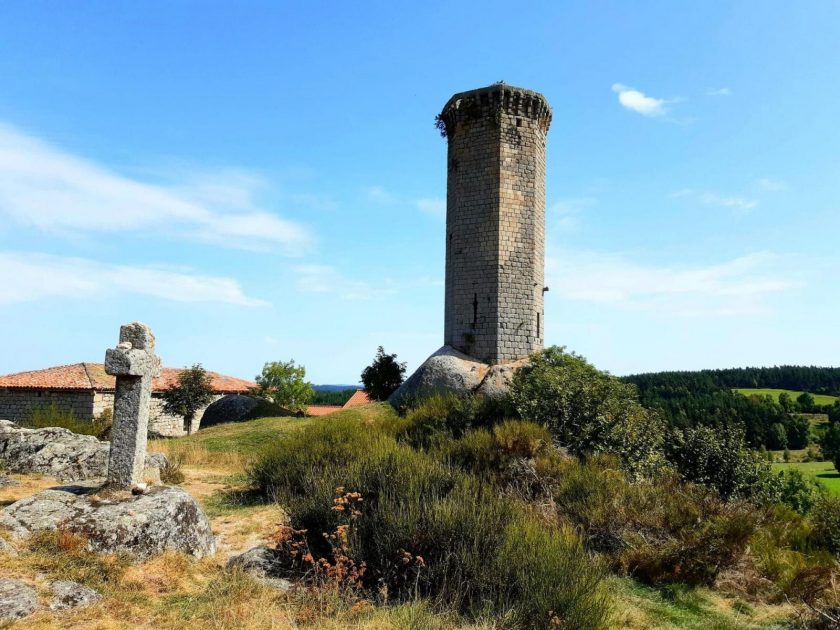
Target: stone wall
<point>495,222</point>
<point>16,404</point>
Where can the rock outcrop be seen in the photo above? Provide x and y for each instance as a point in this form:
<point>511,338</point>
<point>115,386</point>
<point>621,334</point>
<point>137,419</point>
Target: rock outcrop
<point>451,370</point>
<point>58,453</point>
<point>17,600</point>
<point>161,519</point>
<point>72,595</point>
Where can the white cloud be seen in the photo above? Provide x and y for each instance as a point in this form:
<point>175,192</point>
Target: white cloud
<point>379,195</point>
<point>565,213</point>
<point>723,91</point>
<point>327,279</point>
<point>52,190</point>
<point>736,287</point>
<point>766,184</point>
<point>739,204</point>
<point>434,207</point>
<point>26,277</point>
<point>639,102</point>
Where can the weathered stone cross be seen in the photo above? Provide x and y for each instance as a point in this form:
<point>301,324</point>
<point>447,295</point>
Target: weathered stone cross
<point>135,364</point>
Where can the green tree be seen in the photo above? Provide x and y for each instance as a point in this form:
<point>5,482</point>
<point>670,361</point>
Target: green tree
<point>777,438</point>
<point>588,411</point>
<point>834,412</point>
<point>798,432</point>
<point>805,402</point>
<point>284,384</point>
<point>831,442</point>
<point>382,377</point>
<point>786,402</point>
<point>192,391</point>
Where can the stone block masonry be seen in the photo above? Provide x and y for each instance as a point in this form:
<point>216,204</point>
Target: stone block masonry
<point>495,222</point>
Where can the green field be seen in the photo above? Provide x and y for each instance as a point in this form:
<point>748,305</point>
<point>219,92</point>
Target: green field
<point>820,399</point>
<point>824,472</point>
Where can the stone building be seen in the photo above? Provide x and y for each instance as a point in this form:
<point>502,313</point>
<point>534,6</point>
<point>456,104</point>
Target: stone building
<point>495,241</point>
<point>87,391</point>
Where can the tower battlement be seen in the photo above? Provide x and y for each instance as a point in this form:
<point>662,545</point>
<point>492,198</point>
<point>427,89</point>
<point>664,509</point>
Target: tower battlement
<point>495,221</point>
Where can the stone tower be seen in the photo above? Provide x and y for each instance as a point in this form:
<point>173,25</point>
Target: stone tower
<point>495,221</point>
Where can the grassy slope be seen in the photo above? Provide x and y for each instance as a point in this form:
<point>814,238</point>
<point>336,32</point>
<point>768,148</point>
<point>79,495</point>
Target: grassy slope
<point>824,472</point>
<point>820,399</point>
<point>175,592</point>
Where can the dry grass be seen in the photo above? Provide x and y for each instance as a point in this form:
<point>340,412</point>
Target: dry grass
<point>193,453</point>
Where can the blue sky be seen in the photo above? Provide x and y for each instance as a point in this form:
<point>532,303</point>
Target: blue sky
<point>261,181</point>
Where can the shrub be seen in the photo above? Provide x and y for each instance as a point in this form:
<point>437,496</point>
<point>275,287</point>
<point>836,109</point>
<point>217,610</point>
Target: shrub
<point>659,530</point>
<point>421,528</point>
<point>439,416</point>
<point>588,411</point>
<point>54,416</point>
<point>719,459</point>
<point>825,518</point>
<point>798,492</point>
<point>172,472</point>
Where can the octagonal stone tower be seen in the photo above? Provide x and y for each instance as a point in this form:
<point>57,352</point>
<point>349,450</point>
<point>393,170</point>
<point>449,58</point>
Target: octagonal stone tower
<point>495,221</point>
<point>495,242</point>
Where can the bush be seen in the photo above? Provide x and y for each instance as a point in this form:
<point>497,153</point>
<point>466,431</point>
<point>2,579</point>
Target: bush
<point>825,519</point>
<point>422,528</point>
<point>659,531</point>
<point>440,416</point>
<point>798,492</point>
<point>54,416</point>
<point>588,411</point>
<point>719,459</point>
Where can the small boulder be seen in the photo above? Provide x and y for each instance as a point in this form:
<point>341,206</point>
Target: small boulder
<point>72,595</point>
<point>264,564</point>
<point>161,519</point>
<point>17,600</point>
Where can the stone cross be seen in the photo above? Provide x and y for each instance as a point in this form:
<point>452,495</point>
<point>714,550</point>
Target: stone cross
<point>134,364</point>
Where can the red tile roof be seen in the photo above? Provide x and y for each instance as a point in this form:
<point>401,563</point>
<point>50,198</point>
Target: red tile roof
<point>359,398</point>
<point>321,410</point>
<point>82,376</point>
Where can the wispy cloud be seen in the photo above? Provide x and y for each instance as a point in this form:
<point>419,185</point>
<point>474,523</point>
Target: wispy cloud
<point>733,202</point>
<point>27,277</point>
<point>566,213</point>
<point>722,91</point>
<point>731,288</point>
<point>768,185</point>
<point>639,102</point>
<point>434,207</point>
<point>50,189</point>
<point>327,279</point>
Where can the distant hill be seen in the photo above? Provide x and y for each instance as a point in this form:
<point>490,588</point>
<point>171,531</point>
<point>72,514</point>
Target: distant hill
<point>727,397</point>
<point>334,388</point>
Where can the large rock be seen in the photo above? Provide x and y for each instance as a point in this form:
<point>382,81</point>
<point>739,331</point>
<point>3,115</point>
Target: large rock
<point>232,408</point>
<point>17,600</point>
<point>57,452</point>
<point>451,370</point>
<point>162,519</point>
